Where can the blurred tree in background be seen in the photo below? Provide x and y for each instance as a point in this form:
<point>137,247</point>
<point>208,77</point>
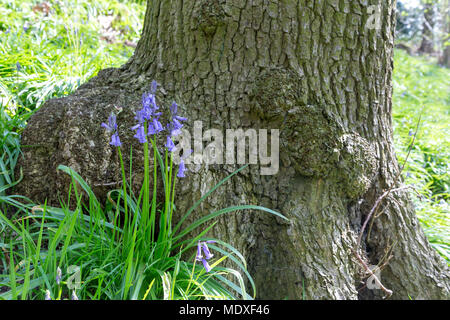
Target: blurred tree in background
<point>445,57</point>
<point>429,16</point>
<point>423,27</point>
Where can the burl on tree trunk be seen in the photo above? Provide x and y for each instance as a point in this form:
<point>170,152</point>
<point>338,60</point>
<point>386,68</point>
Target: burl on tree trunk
<point>314,70</point>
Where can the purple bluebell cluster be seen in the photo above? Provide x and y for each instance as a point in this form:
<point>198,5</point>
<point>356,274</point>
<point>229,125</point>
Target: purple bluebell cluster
<point>203,246</point>
<point>111,127</point>
<point>149,116</point>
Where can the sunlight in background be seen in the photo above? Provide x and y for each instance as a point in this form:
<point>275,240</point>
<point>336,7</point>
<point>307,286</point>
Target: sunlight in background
<point>411,3</point>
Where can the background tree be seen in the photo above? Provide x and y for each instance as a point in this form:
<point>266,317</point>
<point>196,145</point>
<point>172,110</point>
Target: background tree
<point>320,71</point>
<point>429,11</point>
<point>409,20</point>
<point>445,56</point>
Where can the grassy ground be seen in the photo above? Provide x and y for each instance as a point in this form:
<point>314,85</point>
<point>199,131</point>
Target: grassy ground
<point>422,91</point>
<point>49,51</point>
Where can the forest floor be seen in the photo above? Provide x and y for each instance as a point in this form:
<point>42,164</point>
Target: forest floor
<point>47,49</point>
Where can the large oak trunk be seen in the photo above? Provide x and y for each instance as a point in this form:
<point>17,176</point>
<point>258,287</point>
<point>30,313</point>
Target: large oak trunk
<point>320,71</point>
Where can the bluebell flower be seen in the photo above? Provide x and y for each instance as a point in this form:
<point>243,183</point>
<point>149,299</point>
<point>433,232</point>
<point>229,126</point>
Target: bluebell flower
<point>47,295</point>
<point>202,246</point>
<point>155,127</point>
<point>151,129</point>
<point>206,265</point>
<point>148,106</point>
<point>199,255</point>
<point>174,108</point>
<point>140,117</point>
<point>181,169</point>
<point>18,66</point>
<point>174,126</point>
<point>149,114</point>
<point>154,86</point>
<point>208,254</point>
<point>140,134</point>
<point>170,145</point>
<point>111,126</point>
<point>115,140</point>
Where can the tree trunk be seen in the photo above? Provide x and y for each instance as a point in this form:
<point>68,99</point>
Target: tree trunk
<point>319,71</point>
<point>444,59</point>
<point>427,44</point>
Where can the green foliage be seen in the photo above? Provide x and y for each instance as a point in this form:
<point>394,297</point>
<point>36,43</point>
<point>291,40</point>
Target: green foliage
<point>421,91</point>
<point>114,250</point>
<point>49,52</point>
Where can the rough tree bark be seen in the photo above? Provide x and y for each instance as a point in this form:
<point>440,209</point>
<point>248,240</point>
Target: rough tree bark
<point>309,68</point>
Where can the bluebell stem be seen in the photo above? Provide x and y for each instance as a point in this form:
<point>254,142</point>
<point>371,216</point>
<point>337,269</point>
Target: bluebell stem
<point>58,276</point>
<point>47,295</point>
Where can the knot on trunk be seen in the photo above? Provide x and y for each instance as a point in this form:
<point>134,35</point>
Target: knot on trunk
<point>357,166</point>
<point>307,133</point>
<point>277,91</point>
<point>311,138</point>
<point>208,16</point>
